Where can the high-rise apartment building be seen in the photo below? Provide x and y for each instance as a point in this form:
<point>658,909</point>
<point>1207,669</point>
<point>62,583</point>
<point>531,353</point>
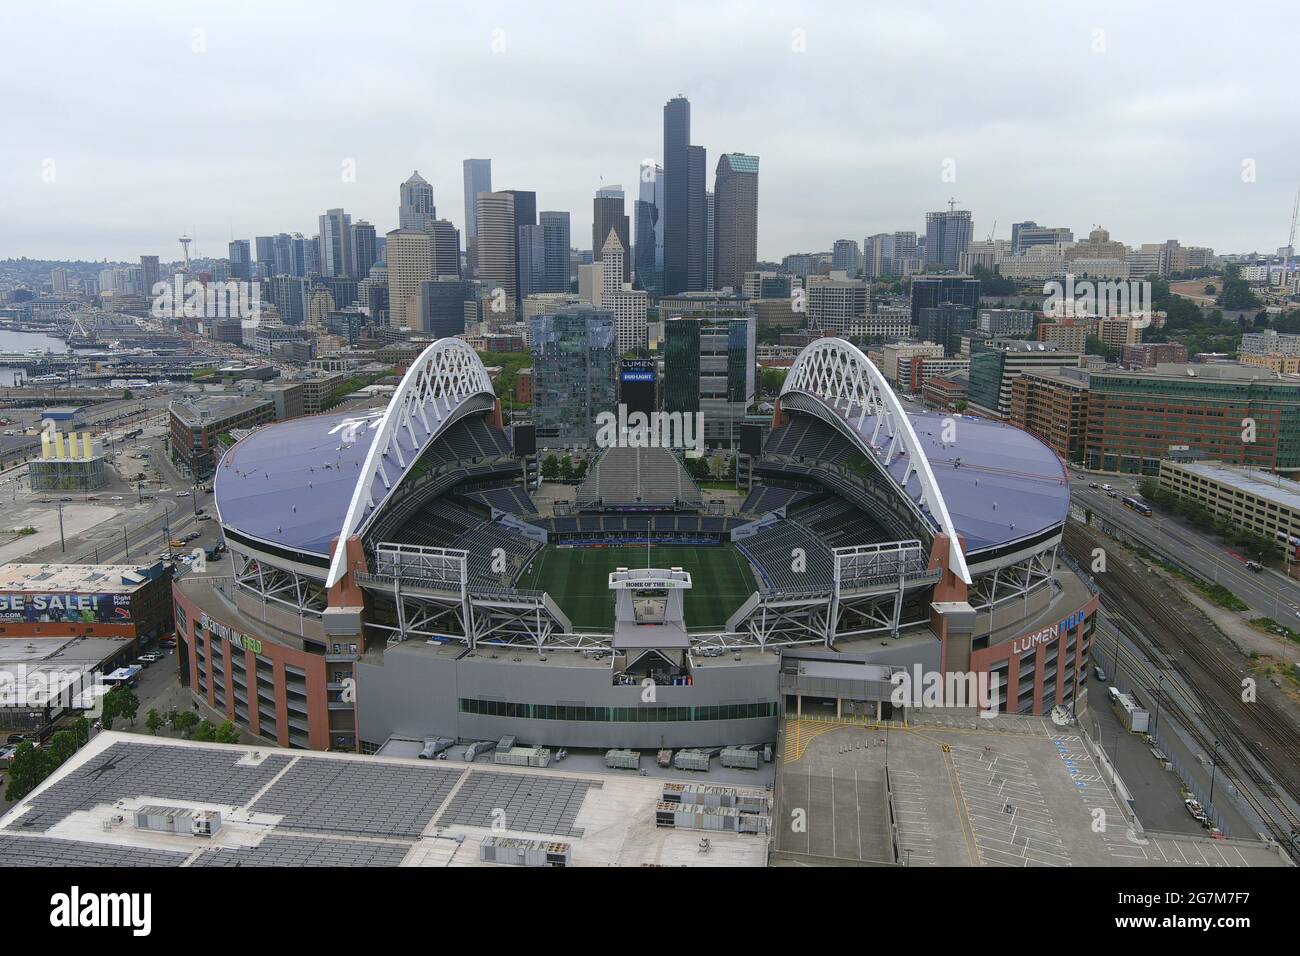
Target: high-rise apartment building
<point>525,215</point>
<point>735,220</point>
<point>335,243</point>
<point>150,273</point>
<point>575,354</point>
<point>845,257</point>
<point>478,179</point>
<point>410,263</point>
<point>241,265</point>
<point>709,368</point>
<point>363,249</point>
<point>836,303</point>
<point>947,234</point>
<point>265,247</point>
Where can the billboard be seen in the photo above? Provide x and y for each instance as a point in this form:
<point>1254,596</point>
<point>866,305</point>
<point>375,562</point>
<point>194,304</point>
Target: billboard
<point>637,385</point>
<point>56,608</point>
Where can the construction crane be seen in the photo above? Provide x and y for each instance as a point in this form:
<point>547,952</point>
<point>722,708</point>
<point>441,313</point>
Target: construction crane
<point>1290,246</point>
<point>993,230</point>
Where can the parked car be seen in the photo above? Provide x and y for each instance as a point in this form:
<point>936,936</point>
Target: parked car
<point>152,657</point>
<point>15,739</point>
<point>182,494</point>
<point>205,517</point>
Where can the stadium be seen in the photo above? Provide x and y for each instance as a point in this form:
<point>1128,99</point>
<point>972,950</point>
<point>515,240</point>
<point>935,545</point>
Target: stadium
<point>393,577</point>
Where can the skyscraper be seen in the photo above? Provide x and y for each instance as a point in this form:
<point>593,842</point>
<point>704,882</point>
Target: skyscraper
<point>446,248</point>
<point>335,243</point>
<point>410,262</point>
<point>685,213</point>
<point>735,218</point>
<point>555,238</point>
<point>947,236</point>
<point>415,209</point>
<point>532,260</point>
<point>150,273</point>
<point>497,241</point>
<point>574,359</point>
<point>478,179</point>
<point>363,249</point>
<point>525,215</point>
<point>629,307</point>
<point>699,239</point>
<point>607,214</point>
<point>283,255</point>
<point>844,256</point>
<point>648,250</point>
<point>442,306</point>
<point>240,254</point>
<point>265,246</point>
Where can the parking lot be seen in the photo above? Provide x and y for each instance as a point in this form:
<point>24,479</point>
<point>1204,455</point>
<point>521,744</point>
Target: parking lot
<point>1010,792</point>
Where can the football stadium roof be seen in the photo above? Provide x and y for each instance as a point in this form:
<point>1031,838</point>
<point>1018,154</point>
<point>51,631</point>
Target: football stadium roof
<point>303,483</point>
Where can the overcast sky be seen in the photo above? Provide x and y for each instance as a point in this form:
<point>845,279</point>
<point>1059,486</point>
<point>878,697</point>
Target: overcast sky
<point>123,127</point>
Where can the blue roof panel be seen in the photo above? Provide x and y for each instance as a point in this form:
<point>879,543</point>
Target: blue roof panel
<point>1001,484</point>
<point>290,484</point>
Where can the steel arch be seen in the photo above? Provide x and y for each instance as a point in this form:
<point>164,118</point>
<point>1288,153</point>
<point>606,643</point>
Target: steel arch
<point>445,375</point>
<point>837,372</point>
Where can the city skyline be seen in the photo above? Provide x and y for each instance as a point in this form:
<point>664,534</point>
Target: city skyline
<point>1112,133</point>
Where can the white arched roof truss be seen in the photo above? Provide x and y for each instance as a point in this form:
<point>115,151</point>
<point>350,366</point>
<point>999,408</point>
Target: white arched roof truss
<point>433,389</point>
<point>837,372</point>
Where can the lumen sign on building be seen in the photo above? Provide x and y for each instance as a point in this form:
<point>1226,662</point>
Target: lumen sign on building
<point>229,634</point>
<point>1029,642</point>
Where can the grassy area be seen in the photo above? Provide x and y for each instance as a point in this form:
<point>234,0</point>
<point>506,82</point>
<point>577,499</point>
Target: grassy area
<point>578,580</point>
<point>1270,626</point>
<point>1215,592</point>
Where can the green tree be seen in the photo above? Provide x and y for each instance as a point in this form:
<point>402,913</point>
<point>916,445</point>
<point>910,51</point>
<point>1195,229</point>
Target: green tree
<point>62,746</point>
<point>122,702</point>
<point>80,729</point>
<point>550,467</point>
<point>566,469</point>
<point>580,469</point>
<point>29,766</point>
<point>205,732</point>
<point>184,721</point>
<point>227,733</point>
<point>154,721</point>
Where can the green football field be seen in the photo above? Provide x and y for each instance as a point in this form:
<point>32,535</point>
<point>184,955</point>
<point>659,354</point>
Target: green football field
<point>577,579</point>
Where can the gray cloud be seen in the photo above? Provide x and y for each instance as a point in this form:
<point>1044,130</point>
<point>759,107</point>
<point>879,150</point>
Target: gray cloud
<point>150,139</point>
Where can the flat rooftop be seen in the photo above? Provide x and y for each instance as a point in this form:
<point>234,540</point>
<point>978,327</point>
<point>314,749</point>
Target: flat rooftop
<point>69,652</point>
<point>1261,484</point>
<point>84,578</point>
<point>295,808</point>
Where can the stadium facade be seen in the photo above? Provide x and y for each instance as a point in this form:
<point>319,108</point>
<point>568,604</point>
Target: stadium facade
<point>378,559</point>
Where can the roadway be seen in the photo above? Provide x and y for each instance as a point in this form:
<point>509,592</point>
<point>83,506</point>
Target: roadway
<point>1268,593</point>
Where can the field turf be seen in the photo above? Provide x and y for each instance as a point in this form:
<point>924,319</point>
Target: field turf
<point>578,580</point>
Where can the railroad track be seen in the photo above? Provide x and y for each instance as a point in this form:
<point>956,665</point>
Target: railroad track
<point>1255,735</point>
